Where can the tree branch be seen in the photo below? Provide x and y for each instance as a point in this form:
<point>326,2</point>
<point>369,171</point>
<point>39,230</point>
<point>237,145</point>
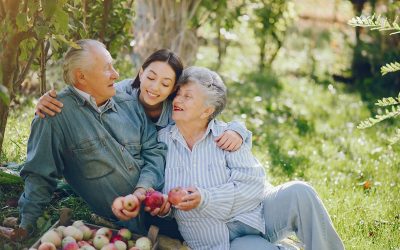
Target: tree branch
<point>24,72</point>
<point>2,11</point>
<point>106,13</point>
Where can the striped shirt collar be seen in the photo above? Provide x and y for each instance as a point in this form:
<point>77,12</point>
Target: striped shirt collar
<point>176,135</point>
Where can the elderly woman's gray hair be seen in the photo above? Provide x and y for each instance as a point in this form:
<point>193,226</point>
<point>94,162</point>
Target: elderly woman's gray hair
<point>79,58</point>
<point>214,87</point>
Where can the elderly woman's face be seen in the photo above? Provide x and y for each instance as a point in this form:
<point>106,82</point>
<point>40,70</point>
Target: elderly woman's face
<point>189,103</point>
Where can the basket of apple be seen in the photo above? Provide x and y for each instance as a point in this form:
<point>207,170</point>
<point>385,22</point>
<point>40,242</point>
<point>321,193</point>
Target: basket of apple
<point>85,236</point>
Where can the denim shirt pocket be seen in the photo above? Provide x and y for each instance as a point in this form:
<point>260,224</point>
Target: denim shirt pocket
<point>134,157</point>
<point>93,158</point>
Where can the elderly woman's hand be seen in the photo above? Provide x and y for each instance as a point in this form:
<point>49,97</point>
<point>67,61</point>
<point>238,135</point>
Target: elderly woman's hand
<point>229,141</point>
<point>48,104</point>
<point>191,200</point>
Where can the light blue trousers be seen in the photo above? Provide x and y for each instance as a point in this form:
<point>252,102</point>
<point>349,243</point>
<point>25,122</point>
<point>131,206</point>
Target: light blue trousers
<point>293,207</point>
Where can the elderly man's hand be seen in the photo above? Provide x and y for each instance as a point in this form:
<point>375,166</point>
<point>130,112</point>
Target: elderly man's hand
<point>191,200</point>
<point>229,141</point>
<point>121,213</point>
<point>48,104</point>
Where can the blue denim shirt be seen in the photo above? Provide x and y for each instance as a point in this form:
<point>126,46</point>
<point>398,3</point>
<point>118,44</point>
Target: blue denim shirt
<point>101,155</point>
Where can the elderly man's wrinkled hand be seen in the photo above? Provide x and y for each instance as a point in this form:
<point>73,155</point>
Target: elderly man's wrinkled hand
<point>120,211</point>
<point>229,141</point>
<point>191,200</point>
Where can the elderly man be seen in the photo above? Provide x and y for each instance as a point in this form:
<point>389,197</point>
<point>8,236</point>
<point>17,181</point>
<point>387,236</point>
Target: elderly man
<point>102,142</point>
<point>228,204</point>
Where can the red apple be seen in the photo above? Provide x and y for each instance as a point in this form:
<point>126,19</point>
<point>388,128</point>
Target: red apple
<point>71,246</point>
<point>109,246</point>
<point>175,195</point>
<point>100,240</point>
<point>51,236</point>
<point>120,245</point>
<point>143,243</point>
<point>83,243</point>
<point>115,238</point>
<point>130,202</point>
<point>154,199</point>
<point>125,234</point>
<point>104,231</point>
<point>47,246</point>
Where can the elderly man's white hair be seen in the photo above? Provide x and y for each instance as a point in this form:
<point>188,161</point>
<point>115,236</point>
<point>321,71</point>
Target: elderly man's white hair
<point>79,58</point>
<point>215,89</point>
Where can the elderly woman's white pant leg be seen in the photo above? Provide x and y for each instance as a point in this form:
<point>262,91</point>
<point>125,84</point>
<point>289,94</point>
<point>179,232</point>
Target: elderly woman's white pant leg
<point>296,207</point>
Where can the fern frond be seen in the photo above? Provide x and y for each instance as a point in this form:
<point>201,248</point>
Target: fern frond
<point>375,23</point>
<point>395,138</point>
<point>387,101</point>
<point>390,67</point>
<point>378,118</point>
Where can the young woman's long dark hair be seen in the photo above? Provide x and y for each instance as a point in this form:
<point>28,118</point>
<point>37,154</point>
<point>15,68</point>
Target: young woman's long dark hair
<point>162,55</point>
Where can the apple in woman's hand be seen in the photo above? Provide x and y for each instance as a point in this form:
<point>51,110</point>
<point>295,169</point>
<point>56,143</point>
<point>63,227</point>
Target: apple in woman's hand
<point>154,199</point>
<point>175,195</point>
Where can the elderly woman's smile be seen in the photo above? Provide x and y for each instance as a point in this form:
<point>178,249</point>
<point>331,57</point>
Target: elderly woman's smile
<point>190,104</point>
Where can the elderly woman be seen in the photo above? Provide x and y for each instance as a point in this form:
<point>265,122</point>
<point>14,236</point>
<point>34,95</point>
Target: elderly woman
<point>229,204</point>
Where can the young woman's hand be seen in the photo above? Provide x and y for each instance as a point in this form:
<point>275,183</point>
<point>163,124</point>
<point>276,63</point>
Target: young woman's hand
<point>163,210</point>
<point>229,141</point>
<point>48,104</point>
<point>191,200</point>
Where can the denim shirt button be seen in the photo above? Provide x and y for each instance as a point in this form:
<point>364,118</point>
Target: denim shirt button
<point>122,148</point>
<point>130,167</point>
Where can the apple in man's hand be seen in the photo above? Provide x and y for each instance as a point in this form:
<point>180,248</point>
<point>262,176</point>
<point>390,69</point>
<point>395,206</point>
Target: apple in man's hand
<point>154,199</point>
<point>130,202</point>
<point>175,195</point>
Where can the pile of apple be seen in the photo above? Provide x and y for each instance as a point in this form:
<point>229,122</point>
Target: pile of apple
<point>80,237</point>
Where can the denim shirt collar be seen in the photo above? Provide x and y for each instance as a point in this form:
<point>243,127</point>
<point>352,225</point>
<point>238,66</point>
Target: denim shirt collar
<point>81,99</point>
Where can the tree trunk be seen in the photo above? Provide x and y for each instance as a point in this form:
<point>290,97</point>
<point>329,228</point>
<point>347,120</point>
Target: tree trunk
<point>4,108</point>
<point>12,77</point>
<point>262,47</point>
<point>165,24</point>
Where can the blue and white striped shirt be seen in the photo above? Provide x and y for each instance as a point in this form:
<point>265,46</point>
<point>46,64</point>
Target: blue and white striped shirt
<point>231,185</point>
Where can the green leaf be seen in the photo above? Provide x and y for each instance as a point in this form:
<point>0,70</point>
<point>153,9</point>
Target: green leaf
<point>41,31</point>
<point>22,21</point>
<point>49,8</point>
<point>69,43</point>
<point>4,95</point>
<point>61,21</point>
<point>54,43</point>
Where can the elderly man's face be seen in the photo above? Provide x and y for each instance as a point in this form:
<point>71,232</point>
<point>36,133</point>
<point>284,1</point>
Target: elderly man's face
<point>99,78</point>
<point>189,104</point>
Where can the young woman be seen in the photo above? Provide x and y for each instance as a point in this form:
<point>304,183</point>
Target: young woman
<point>155,87</point>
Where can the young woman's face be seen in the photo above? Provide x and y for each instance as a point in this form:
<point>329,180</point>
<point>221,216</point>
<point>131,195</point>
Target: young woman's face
<point>156,83</point>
